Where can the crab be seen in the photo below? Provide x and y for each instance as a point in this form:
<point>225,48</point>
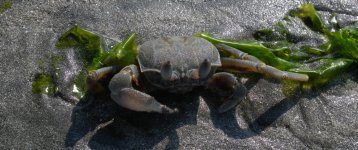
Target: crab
<point>178,64</point>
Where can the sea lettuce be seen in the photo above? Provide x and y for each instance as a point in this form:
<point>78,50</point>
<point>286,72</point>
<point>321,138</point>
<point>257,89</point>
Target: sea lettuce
<point>322,63</point>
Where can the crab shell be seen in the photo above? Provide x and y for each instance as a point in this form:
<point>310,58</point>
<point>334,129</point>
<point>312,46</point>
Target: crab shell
<point>185,54</point>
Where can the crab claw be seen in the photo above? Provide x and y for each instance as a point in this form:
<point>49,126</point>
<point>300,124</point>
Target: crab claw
<point>126,96</point>
<point>139,101</point>
<point>226,85</point>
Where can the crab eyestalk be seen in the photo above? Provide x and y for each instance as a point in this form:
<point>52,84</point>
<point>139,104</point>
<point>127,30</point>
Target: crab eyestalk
<point>166,70</point>
<point>204,69</point>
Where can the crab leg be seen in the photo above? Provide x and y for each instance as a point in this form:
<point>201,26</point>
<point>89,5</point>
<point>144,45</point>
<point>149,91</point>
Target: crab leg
<point>126,96</point>
<point>261,68</point>
<point>251,63</point>
<point>97,75</point>
<point>237,53</point>
<point>226,85</point>
<point>101,73</point>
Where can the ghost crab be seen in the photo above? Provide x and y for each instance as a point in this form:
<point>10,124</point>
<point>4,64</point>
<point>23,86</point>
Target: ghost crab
<point>177,64</point>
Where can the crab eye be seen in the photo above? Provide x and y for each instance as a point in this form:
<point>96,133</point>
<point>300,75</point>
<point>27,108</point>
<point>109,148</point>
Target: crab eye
<point>204,69</point>
<point>166,70</point>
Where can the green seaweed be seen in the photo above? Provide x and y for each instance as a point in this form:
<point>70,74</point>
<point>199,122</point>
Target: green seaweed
<point>340,52</point>
<point>5,5</point>
<point>310,17</point>
<point>322,63</point>
<point>93,55</point>
<point>344,43</point>
<point>291,55</point>
<point>265,34</point>
<point>89,44</point>
<point>275,47</point>
<point>80,85</point>
<point>122,54</point>
<point>253,48</point>
<point>278,33</point>
<point>44,84</point>
<point>55,61</point>
<point>313,50</point>
<point>323,71</point>
<point>277,44</point>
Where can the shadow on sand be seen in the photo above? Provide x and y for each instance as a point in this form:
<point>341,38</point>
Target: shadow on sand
<point>106,125</point>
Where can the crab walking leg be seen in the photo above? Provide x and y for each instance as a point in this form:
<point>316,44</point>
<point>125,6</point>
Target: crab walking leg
<point>126,96</point>
<point>226,85</point>
<point>94,76</point>
<point>229,63</point>
<point>101,73</point>
<point>237,53</point>
<point>251,63</point>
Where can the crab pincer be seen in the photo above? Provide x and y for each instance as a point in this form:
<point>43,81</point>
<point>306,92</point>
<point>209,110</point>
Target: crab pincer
<point>227,86</point>
<point>123,93</point>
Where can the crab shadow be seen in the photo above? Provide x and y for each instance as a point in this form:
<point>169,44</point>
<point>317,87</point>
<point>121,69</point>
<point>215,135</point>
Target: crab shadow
<point>106,125</point>
<point>228,121</point>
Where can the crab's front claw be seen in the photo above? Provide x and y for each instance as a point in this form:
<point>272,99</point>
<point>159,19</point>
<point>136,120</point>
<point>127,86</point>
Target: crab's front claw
<point>227,86</point>
<point>126,96</point>
<point>139,101</point>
